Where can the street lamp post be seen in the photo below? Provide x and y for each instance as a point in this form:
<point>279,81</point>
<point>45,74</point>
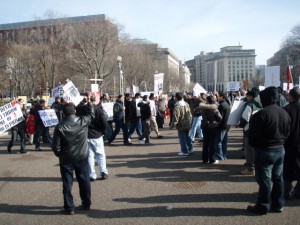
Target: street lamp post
<point>119,60</point>
<point>10,87</point>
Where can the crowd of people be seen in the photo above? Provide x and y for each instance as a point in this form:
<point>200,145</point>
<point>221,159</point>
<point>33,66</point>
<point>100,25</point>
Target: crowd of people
<point>270,122</point>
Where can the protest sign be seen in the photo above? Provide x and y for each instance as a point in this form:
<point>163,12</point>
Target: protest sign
<point>272,76</point>
<point>158,84</point>
<point>233,86</point>
<point>10,115</point>
<point>72,93</point>
<point>48,117</point>
<point>198,89</point>
<point>236,112</point>
<point>108,107</point>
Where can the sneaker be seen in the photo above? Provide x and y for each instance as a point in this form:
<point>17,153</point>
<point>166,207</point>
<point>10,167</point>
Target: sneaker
<point>215,162</point>
<point>38,149</point>
<point>191,151</point>
<point>24,152</point>
<point>8,150</point>
<point>248,172</point>
<point>128,143</point>
<point>104,176</point>
<point>148,143</point>
<point>183,154</point>
<point>159,136</point>
<point>140,142</point>
<point>277,210</point>
<point>260,210</point>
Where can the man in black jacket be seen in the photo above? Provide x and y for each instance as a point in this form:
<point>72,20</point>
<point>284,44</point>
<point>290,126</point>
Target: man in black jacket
<point>222,133</point>
<point>145,117</point>
<point>95,142</point>
<point>70,145</point>
<point>268,130</point>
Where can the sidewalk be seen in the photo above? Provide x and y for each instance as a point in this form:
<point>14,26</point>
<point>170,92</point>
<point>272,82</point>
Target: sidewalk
<point>146,185</point>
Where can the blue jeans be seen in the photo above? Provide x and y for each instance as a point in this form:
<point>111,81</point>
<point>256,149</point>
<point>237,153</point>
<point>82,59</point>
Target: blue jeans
<point>221,144</point>
<point>268,169</point>
<point>120,125</point>
<point>137,125</point>
<point>14,134</point>
<point>96,148</point>
<point>82,172</point>
<point>196,127</point>
<point>185,140</point>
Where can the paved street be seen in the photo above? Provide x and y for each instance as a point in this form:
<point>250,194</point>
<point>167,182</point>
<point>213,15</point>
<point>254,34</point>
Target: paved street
<point>146,185</point>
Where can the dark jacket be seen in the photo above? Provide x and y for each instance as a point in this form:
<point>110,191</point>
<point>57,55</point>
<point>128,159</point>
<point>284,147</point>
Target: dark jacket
<point>97,128</point>
<point>37,117</point>
<point>127,109</point>
<point>269,127</point>
<point>118,111</point>
<point>70,137</point>
<point>211,116</point>
<point>145,110</point>
<point>291,169</point>
<point>224,109</point>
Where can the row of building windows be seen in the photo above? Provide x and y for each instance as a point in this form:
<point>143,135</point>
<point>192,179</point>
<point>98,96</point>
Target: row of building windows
<point>240,62</point>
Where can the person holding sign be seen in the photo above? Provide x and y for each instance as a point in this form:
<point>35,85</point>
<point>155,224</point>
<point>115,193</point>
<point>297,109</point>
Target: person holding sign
<point>19,130</point>
<point>71,147</point>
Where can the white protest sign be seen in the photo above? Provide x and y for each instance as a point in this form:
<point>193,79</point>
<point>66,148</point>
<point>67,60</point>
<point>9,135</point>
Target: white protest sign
<point>72,93</point>
<point>108,107</point>
<point>236,112</point>
<point>158,84</point>
<point>198,89</point>
<point>272,76</point>
<point>48,117</point>
<point>233,86</point>
<point>10,115</point>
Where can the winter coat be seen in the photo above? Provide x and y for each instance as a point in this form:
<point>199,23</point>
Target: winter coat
<point>291,169</point>
<point>182,117</point>
<point>211,117</point>
<point>224,109</point>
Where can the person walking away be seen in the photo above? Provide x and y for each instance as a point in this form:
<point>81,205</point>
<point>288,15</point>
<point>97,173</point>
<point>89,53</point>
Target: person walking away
<point>269,129</point>
<point>222,133</point>
<point>96,130</point>
<point>135,116</point>
<point>19,130</point>
<point>182,119</point>
<point>145,117</point>
<point>119,122</point>
<point>291,169</point>
<point>171,105</point>
<point>211,118</point>
<point>71,147</point>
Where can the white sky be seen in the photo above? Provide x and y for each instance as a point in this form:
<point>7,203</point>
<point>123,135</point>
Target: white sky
<point>187,27</point>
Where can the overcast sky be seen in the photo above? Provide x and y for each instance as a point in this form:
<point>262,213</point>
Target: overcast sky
<point>187,27</point>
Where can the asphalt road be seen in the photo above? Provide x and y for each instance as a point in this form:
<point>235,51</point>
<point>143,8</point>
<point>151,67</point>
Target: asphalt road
<point>146,185</point>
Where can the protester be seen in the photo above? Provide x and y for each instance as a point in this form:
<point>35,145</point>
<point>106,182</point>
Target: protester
<point>120,122</point>
<point>211,119</point>
<point>291,169</point>
<point>145,117</point>
<point>222,133</point>
<point>153,123</point>
<point>197,117</point>
<point>96,131</point>
<point>70,145</point>
<point>19,130</point>
<point>57,106</point>
<point>268,131</point>
<point>30,125</point>
<point>171,105</point>
<point>40,129</point>
<point>135,116</point>
<point>250,109</point>
<point>182,119</point>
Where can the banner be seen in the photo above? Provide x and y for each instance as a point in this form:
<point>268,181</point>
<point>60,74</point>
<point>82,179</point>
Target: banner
<point>158,84</point>
<point>10,115</point>
<point>108,107</point>
<point>272,76</point>
<point>72,93</point>
<point>48,117</point>
<point>233,86</point>
<point>198,89</point>
<point>236,112</point>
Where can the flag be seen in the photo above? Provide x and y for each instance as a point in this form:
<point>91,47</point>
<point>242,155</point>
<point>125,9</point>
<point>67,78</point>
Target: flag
<point>288,77</point>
